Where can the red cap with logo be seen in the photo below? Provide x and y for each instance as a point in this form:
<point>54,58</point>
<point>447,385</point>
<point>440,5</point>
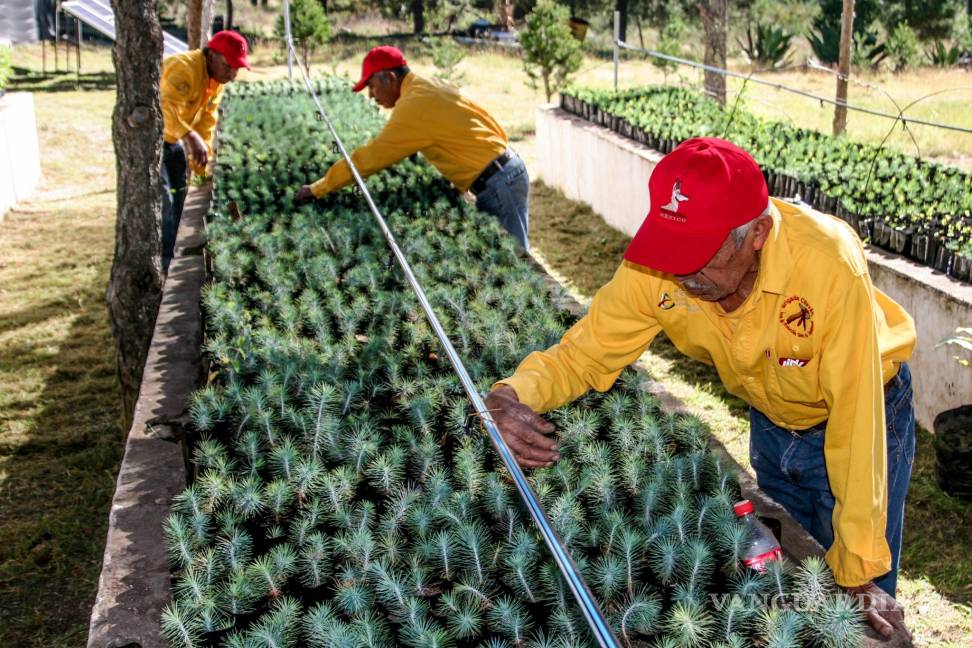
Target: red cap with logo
<point>232,46</point>
<point>383,57</point>
<point>699,193</point>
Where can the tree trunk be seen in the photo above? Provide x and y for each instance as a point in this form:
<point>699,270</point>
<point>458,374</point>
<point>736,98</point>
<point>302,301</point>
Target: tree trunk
<point>135,288</point>
<point>843,66</point>
<point>418,16</point>
<point>228,24</point>
<point>621,6</point>
<point>715,21</point>
<point>199,22</point>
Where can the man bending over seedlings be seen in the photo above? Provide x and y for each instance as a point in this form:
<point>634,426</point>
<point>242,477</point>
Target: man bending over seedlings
<point>778,298</point>
<point>457,136</point>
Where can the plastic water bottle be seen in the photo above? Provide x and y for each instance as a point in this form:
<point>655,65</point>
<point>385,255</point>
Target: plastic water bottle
<point>763,547</point>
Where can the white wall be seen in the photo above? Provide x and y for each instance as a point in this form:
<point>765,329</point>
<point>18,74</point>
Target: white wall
<point>19,152</point>
<point>597,166</point>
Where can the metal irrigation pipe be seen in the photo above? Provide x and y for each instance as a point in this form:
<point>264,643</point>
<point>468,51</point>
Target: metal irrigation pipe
<point>592,612</point>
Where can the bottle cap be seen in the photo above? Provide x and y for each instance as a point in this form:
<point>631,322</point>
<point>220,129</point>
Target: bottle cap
<point>742,508</point>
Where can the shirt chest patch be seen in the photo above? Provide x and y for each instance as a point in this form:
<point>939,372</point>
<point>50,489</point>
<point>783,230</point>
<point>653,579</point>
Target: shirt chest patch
<point>796,316</point>
<point>670,299</point>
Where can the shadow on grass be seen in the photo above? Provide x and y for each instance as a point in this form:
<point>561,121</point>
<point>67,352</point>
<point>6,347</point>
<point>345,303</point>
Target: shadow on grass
<point>586,251</point>
<point>26,80</point>
<point>58,471</point>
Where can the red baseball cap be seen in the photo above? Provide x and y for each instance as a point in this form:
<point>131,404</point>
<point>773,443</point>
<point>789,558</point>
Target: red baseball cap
<point>699,193</point>
<point>232,46</point>
<point>383,57</point>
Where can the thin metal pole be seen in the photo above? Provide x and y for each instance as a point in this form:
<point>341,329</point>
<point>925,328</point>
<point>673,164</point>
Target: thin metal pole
<point>290,40</point>
<point>77,21</point>
<point>592,612</point>
<point>57,32</point>
<point>617,45</point>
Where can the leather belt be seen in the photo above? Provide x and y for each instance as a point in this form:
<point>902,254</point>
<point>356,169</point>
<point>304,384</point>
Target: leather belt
<point>479,184</point>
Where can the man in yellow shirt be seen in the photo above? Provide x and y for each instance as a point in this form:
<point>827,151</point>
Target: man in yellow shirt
<point>457,136</point>
<point>190,90</point>
<point>779,300</point>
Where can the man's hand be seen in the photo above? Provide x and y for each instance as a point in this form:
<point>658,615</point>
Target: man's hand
<point>305,194</point>
<point>883,613</point>
<point>196,149</point>
<point>523,429</point>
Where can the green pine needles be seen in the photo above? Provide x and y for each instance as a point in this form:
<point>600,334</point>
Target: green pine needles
<point>342,494</point>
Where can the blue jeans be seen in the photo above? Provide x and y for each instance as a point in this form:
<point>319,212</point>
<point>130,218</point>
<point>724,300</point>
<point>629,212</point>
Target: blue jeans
<point>173,175</point>
<point>790,468</point>
<point>506,197</point>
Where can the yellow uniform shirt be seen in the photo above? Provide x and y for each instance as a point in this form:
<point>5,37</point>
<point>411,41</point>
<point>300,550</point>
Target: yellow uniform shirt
<point>189,98</point>
<point>458,137</point>
<point>814,341</point>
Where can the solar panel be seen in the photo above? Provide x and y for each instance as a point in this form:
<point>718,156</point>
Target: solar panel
<point>98,14</point>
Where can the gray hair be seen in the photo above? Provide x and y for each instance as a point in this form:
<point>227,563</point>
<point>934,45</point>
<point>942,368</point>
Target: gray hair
<point>738,235</point>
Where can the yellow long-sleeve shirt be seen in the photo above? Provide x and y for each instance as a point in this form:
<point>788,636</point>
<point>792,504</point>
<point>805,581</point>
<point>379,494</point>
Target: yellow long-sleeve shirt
<point>814,341</point>
<point>189,98</point>
<point>431,117</point>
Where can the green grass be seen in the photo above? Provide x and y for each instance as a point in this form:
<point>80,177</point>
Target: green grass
<point>60,435</point>
<point>935,582</point>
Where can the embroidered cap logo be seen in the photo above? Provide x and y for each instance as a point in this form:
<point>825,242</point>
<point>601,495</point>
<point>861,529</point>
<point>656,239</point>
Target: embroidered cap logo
<point>670,211</point>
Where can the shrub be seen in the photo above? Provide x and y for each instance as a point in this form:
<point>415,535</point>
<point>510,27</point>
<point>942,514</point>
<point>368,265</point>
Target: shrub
<point>446,56</point>
<point>902,48</point>
<point>6,67</point>
<point>309,27</point>
<point>768,47</point>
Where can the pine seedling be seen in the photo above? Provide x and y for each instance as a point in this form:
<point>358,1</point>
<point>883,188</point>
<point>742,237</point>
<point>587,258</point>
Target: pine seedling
<point>212,618</point>
<point>239,594</point>
<point>236,549</point>
<point>691,433</point>
<point>683,522</point>
<point>734,617</point>
<point>424,632</point>
<point>250,447</point>
<point>279,628</point>
<point>779,575</point>
<point>566,622</point>
<point>181,625</point>
<point>521,561</point>
<point>608,576</point>
<point>496,642</point>
<point>386,471</point>
<point>616,404</point>
<point>629,546</point>
<point>474,549</point>
<point>567,515</point>
<point>247,496</point>
<point>337,487</point>
<point>191,587</point>
<point>654,439</point>
<point>475,593</point>
<point>209,453</point>
<point>695,566</point>
<point>357,546</point>
<point>637,615</point>
<point>362,443</point>
<point>633,472</point>
<point>282,459</point>
<point>463,617</point>
<point>318,624</point>
<point>272,570</point>
<point>497,496</point>
<point>181,541</point>
<point>689,624</point>
<point>398,509</point>
<point>315,560</point>
<point>509,617</point>
<point>468,471</point>
<point>307,478</point>
<point>391,587</point>
<point>750,584</point>
<point>624,436</point>
<point>664,558</point>
<point>370,631</point>
<point>210,566</point>
<point>650,501</point>
<point>836,623</point>
<point>812,582</point>
<point>278,497</point>
<point>442,548</point>
<point>419,520</point>
<point>780,628</point>
<point>353,597</point>
<point>214,486</point>
<point>553,586</point>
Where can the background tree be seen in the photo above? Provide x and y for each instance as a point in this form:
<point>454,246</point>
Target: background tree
<point>135,287</point>
<point>199,22</point>
<point>846,36</point>
<point>309,27</point>
<point>715,23</point>
<point>551,53</point>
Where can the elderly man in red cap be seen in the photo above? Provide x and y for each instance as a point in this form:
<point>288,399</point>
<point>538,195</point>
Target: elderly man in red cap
<point>779,299</point>
<point>191,88</point>
<point>457,136</point>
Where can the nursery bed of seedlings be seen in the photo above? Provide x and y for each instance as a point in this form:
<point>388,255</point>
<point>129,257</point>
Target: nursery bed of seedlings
<point>343,496</point>
<point>899,202</point>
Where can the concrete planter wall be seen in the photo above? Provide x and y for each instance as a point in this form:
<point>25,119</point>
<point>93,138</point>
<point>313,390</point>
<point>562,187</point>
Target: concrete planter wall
<point>19,153</point>
<point>595,165</point>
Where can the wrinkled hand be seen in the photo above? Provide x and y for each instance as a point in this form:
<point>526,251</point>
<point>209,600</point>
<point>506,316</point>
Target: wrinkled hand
<point>881,610</point>
<point>196,149</point>
<point>305,194</point>
<point>525,432</point>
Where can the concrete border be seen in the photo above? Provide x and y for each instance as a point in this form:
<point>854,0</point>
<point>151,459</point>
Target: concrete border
<point>135,579</point>
<point>20,169</point>
<point>610,173</point>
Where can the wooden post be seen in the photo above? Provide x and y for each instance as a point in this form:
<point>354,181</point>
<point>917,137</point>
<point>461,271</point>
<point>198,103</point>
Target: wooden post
<point>715,22</point>
<point>843,66</point>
